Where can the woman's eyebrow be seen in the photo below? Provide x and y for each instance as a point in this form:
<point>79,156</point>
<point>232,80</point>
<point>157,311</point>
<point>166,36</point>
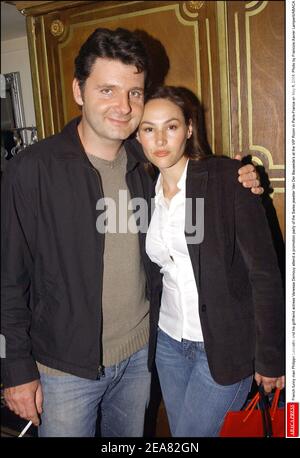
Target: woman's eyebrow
<point>165,122</point>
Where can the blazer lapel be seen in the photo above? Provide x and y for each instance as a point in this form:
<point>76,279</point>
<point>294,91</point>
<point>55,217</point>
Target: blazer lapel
<point>196,188</point>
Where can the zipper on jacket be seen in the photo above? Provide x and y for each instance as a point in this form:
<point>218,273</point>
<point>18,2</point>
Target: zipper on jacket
<point>100,370</point>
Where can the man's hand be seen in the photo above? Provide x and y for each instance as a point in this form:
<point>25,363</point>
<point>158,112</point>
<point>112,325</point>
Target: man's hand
<point>249,177</point>
<point>26,400</point>
<point>269,383</point>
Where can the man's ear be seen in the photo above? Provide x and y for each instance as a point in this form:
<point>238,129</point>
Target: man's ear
<point>77,92</point>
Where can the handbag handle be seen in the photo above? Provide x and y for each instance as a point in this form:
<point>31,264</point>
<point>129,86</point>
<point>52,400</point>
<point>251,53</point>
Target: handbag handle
<point>274,403</point>
<point>252,404</point>
<point>265,412</point>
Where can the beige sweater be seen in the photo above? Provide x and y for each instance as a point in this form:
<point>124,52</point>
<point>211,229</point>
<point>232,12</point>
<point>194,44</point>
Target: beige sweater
<point>125,309</point>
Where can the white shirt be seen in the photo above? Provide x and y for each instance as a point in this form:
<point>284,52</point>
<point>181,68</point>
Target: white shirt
<point>166,246</point>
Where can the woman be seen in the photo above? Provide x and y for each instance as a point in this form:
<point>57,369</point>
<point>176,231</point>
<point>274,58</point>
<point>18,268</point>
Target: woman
<point>221,319</point>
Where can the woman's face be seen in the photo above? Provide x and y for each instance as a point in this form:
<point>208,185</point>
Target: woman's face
<point>163,133</point>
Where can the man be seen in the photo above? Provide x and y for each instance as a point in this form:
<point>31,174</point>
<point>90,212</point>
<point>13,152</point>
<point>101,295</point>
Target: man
<point>75,300</point>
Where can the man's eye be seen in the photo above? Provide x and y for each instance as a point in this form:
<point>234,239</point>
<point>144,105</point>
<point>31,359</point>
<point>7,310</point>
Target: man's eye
<point>106,91</point>
<point>136,94</point>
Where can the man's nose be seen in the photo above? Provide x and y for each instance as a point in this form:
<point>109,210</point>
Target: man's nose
<point>124,104</point>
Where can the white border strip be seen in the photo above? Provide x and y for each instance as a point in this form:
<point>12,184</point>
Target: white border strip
<point>292,212</point>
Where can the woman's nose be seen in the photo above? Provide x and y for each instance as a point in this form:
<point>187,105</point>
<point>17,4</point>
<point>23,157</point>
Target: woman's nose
<point>161,138</point>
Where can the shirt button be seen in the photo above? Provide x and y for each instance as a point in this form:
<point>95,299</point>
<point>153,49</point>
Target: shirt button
<point>203,307</point>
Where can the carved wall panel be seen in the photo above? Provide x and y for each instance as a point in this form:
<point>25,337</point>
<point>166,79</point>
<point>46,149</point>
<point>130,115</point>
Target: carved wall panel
<point>256,48</point>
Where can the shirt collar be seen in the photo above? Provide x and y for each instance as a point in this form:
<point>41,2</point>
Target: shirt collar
<point>182,179</point>
<point>159,194</point>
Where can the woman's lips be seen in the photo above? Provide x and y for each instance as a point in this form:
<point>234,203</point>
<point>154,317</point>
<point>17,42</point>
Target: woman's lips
<point>161,153</point>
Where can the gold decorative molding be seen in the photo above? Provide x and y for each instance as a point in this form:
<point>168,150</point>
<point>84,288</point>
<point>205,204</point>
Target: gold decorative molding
<point>259,7</point>
<point>238,75</point>
<point>44,44</point>
<point>57,28</point>
<point>252,4</point>
<point>31,30</point>
<point>195,6</point>
<point>224,77</point>
<point>107,6</point>
<point>195,25</point>
<point>32,8</point>
<point>212,110</point>
<point>188,12</point>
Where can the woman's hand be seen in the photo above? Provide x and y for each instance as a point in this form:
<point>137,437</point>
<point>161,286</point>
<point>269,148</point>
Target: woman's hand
<point>269,383</point>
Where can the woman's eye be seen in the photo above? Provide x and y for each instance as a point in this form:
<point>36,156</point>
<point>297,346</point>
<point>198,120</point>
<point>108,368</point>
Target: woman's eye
<point>148,129</point>
<point>172,127</point>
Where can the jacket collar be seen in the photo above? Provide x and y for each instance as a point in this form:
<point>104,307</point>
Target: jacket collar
<point>197,178</point>
<point>73,147</point>
<point>196,187</point>
<point>135,155</point>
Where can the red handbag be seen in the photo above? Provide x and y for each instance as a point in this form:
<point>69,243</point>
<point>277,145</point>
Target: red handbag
<point>263,421</point>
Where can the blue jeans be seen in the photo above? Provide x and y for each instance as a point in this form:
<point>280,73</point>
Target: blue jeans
<point>196,405</point>
<point>71,403</point>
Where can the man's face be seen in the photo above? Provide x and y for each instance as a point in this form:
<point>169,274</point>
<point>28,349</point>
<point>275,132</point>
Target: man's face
<point>112,100</point>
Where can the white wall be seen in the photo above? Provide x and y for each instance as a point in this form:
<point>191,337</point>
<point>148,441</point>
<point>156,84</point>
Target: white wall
<point>15,58</point>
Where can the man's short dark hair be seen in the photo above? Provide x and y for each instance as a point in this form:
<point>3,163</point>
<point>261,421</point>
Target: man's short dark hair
<point>120,44</point>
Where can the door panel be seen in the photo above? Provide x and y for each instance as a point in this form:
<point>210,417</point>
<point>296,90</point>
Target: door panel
<point>256,49</point>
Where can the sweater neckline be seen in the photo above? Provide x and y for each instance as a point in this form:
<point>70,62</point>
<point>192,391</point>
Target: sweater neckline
<point>106,163</point>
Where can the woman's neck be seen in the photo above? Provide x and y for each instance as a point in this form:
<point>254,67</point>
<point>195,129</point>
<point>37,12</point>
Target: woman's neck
<point>171,176</point>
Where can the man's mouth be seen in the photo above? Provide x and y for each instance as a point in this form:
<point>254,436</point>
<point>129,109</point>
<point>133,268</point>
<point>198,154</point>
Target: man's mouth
<point>119,122</point>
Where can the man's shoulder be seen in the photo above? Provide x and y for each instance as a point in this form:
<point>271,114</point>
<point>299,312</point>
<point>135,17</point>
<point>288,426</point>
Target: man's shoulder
<point>38,156</point>
<point>35,153</point>
<point>48,147</point>
<point>219,165</point>
<point>44,146</point>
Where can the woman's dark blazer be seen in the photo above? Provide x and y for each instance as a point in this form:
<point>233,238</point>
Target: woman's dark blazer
<point>241,303</point>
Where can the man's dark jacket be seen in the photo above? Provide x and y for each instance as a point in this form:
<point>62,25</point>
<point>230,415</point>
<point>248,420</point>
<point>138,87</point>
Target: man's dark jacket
<point>52,257</point>
<point>241,303</point>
